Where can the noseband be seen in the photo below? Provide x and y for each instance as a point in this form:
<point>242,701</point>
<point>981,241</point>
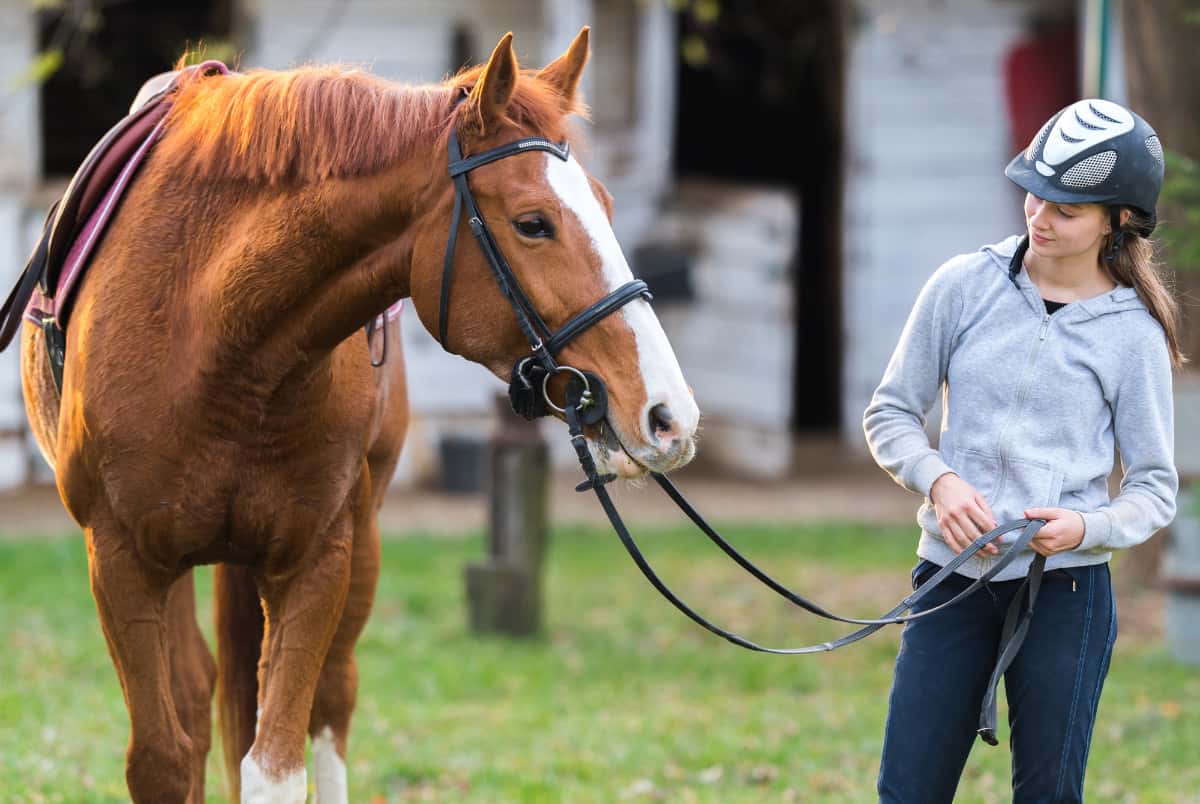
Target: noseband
<point>530,378</point>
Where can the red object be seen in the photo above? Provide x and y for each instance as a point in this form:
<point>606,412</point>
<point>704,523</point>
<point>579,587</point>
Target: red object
<point>1041,76</point>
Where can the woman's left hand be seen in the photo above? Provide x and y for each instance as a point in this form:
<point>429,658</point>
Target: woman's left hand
<point>1063,530</point>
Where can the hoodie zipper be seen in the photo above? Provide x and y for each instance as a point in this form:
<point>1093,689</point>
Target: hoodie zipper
<point>1043,330</point>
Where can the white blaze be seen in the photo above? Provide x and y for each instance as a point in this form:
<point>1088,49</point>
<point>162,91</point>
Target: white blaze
<point>661,375</point>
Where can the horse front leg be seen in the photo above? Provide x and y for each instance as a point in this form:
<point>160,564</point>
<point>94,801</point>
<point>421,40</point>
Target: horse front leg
<point>303,605</point>
<point>337,689</point>
<point>131,598</point>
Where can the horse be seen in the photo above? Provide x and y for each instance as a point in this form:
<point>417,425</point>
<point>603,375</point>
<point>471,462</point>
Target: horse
<point>219,404</point>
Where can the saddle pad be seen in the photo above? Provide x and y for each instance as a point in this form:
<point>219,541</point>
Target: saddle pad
<point>95,192</point>
<point>85,239</point>
<point>76,222</point>
<point>75,225</point>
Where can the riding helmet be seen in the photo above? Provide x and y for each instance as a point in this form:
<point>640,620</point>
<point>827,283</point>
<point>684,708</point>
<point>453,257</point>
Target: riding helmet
<point>1094,151</point>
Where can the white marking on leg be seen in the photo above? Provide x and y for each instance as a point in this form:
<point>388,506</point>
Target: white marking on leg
<point>330,769</point>
<point>261,787</point>
<point>661,375</point>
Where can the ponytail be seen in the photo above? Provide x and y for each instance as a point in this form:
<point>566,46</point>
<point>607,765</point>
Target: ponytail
<point>1129,260</point>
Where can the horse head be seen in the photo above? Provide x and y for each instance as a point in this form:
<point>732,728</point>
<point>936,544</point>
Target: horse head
<point>552,223</point>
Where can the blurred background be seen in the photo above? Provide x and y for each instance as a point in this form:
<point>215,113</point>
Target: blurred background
<point>786,176</point>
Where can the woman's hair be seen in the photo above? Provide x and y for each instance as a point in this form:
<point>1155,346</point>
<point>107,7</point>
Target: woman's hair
<point>1134,265</point>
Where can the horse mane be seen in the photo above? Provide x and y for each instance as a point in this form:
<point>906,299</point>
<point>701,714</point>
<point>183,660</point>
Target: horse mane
<point>328,121</point>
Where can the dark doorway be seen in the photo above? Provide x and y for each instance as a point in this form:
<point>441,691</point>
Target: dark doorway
<point>759,60</point>
<point>108,50</point>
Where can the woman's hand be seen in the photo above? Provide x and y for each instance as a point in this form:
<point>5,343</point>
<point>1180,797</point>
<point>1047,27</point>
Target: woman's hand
<point>962,513</point>
<point>1063,530</point>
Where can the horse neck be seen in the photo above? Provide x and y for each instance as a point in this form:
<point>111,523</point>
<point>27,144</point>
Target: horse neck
<point>320,262</point>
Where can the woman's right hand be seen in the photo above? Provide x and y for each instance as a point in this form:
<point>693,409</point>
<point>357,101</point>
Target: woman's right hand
<point>962,513</point>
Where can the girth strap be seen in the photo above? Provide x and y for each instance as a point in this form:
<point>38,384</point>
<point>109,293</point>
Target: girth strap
<point>13,311</point>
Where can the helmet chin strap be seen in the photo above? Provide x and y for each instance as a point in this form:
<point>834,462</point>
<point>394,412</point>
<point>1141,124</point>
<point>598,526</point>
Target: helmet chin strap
<point>1118,234</point>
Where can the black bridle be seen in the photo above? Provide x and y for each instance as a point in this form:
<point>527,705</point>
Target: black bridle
<point>530,374</point>
<point>586,404</point>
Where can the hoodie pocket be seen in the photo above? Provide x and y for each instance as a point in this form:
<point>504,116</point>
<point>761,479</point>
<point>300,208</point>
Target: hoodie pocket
<point>979,469</point>
<point>1011,485</point>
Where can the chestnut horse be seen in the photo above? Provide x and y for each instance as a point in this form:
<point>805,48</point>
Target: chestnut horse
<point>219,404</point>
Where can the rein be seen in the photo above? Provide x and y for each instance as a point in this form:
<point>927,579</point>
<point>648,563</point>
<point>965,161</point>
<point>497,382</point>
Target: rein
<point>1016,621</point>
<point>586,404</point>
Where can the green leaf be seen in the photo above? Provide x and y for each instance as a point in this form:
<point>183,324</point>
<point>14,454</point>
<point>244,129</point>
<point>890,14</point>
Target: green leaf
<point>44,65</point>
<point>1181,190</point>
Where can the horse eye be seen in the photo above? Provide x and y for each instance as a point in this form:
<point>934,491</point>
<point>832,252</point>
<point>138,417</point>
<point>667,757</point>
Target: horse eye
<point>534,227</point>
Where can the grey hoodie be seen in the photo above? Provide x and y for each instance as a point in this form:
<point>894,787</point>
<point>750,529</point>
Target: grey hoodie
<point>1032,407</point>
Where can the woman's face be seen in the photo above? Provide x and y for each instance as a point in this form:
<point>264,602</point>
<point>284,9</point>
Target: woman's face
<point>1064,230</point>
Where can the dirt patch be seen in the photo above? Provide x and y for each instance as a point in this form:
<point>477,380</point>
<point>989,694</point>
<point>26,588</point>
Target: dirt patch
<point>858,493</point>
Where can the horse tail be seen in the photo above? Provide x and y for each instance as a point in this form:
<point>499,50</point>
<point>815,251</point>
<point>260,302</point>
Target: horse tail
<point>239,630</point>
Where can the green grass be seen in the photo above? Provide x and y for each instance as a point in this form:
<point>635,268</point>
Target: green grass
<point>622,698</point>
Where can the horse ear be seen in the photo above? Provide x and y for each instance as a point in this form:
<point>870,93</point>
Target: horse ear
<point>491,94</point>
<point>563,73</point>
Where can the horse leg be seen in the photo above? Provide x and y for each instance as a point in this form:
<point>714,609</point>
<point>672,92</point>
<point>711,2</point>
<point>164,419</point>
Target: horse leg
<point>337,688</point>
<point>303,606</point>
<point>238,622</point>
<point>131,599</point>
<point>193,675</point>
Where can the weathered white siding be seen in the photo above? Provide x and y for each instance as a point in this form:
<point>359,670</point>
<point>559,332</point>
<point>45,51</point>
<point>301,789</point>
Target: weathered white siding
<point>19,158</point>
<point>735,340</point>
<point>927,144</point>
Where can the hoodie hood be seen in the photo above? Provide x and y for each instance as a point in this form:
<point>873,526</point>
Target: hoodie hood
<point>1002,255</point>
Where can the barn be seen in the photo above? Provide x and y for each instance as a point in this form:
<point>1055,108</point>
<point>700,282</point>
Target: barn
<point>786,175</point>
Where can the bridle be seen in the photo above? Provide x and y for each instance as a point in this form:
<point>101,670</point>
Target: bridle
<point>529,380</point>
<point>586,404</point>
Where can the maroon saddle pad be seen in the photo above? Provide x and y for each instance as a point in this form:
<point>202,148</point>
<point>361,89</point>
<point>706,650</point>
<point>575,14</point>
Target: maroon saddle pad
<point>76,223</point>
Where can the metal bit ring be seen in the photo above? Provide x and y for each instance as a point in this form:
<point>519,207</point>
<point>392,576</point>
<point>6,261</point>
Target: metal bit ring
<point>587,388</point>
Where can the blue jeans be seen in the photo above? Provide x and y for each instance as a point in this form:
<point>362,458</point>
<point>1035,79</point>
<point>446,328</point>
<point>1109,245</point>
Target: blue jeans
<point>1053,687</point>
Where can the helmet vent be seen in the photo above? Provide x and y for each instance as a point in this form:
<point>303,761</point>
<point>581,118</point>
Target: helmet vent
<point>1155,148</point>
<point>1035,147</point>
<point>1090,171</point>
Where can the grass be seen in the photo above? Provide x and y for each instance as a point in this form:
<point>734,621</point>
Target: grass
<point>622,698</point>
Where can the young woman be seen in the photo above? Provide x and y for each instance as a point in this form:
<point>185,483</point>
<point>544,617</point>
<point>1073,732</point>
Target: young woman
<point>1049,350</point>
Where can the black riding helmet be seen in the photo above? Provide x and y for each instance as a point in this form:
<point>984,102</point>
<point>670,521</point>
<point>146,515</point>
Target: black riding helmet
<point>1094,151</point>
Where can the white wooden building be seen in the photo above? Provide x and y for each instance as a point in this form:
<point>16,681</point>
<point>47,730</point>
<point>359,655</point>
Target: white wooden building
<point>925,143</point>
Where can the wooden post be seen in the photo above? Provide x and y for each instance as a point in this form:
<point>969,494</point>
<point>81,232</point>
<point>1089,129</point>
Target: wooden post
<point>504,592</point>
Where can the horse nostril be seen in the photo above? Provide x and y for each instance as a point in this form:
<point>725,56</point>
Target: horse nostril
<point>662,421</point>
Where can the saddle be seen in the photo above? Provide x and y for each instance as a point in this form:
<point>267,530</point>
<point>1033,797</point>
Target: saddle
<point>76,223</point>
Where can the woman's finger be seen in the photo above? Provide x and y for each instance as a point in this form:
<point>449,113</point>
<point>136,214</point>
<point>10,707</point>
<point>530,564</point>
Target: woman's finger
<point>966,531</point>
<point>987,510</point>
<point>983,520</point>
<point>952,535</point>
